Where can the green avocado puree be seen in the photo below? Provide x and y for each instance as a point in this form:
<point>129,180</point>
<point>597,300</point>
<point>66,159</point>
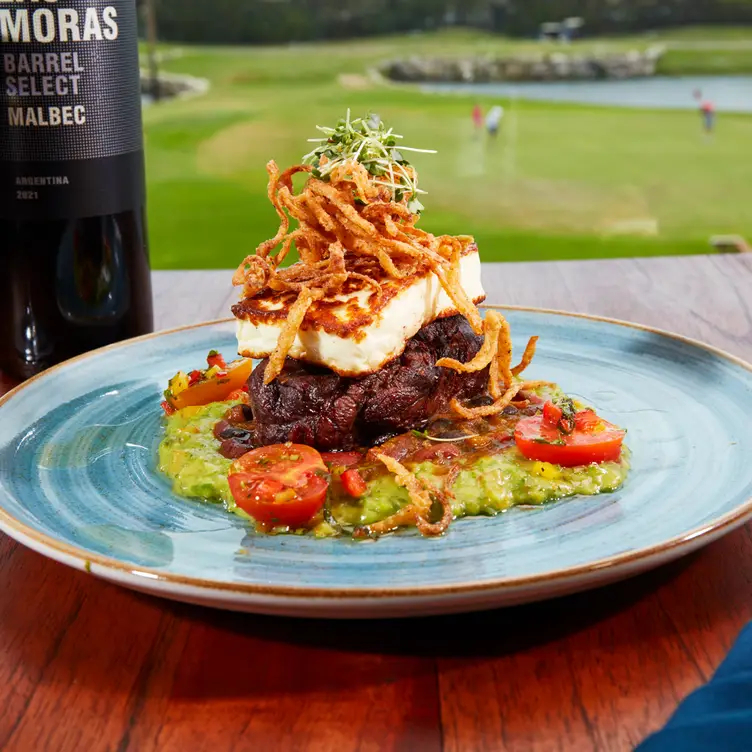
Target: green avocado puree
<point>189,457</point>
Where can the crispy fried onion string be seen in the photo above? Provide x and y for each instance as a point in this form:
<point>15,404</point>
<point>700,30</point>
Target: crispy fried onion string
<point>496,355</point>
<point>527,357</point>
<point>290,332</point>
<point>501,368</point>
<point>352,208</point>
<point>488,351</point>
<point>418,510</point>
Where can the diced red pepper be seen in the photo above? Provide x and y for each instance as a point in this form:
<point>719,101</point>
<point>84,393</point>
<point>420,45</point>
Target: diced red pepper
<point>194,377</point>
<point>168,408</point>
<point>552,414</point>
<point>353,483</point>
<point>216,359</point>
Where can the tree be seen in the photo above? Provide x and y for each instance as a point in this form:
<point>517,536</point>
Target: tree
<point>279,21</point>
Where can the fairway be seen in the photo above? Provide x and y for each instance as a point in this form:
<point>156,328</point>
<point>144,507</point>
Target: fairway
<point>561,181</point>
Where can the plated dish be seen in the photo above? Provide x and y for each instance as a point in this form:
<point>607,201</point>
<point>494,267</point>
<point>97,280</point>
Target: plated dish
<point>79,483</point>
<point>382,400</point>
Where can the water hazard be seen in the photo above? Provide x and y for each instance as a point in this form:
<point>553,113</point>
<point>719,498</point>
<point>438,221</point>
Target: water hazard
<point>728,93</point>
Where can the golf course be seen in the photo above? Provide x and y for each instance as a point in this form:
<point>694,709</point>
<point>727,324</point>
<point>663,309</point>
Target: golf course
<point>560,181</point>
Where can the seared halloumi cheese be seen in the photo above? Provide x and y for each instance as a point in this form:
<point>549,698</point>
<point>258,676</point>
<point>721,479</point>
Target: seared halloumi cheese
<point>356,332</point>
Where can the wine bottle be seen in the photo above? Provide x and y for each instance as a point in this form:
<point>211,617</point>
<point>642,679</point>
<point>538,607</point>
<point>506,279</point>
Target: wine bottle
<point>74,262</point>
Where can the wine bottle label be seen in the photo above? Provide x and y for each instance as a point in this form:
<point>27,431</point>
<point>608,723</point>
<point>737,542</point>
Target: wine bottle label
<point>71,140</point>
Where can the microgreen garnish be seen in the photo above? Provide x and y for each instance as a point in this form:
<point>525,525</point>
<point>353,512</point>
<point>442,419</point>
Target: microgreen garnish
<point>368,141</point>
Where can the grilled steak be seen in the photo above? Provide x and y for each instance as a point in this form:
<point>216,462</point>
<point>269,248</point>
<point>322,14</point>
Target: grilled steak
<point>314,406</point>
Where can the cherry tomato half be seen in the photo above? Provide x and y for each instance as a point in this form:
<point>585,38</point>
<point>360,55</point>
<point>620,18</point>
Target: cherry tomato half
<point>271,504</point>
<point>593,440</point>
<point>282,484</point>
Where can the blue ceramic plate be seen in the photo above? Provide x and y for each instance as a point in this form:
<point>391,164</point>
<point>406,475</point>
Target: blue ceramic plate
<point>78,484</point>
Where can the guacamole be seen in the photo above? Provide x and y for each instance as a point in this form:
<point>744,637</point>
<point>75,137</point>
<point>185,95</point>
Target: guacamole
<point>189,456</point>
<point>488,485</point>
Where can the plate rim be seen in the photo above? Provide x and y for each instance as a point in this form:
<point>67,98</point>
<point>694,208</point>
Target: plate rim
<point>60,551</point>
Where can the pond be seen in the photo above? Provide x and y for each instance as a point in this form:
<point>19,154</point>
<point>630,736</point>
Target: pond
<point>728,93</point>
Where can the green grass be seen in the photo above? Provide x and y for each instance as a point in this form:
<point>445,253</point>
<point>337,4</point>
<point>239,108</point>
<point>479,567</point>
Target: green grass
<point>713,61</point>
<point>574,182</point>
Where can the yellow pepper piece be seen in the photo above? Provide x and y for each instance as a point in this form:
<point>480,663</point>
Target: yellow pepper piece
<point>190,411</point>
<point>178,383</point>
<point>546,470</point>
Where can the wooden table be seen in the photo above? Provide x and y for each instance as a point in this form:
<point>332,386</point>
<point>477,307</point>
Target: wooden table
<point>86,666</point>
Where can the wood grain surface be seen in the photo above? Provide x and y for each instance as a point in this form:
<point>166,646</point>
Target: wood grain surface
<point>85,665</point>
